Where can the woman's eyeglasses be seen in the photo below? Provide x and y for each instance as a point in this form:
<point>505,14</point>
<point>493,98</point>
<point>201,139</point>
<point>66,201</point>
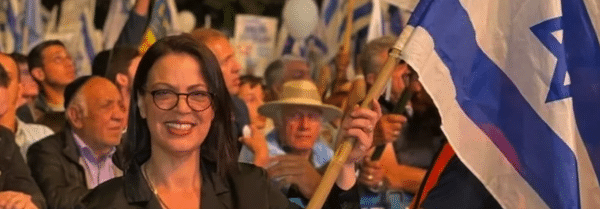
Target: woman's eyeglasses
<point>166,99</point>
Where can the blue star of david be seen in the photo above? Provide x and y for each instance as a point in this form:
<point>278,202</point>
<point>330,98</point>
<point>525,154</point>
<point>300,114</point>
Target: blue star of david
<point>543,31</point>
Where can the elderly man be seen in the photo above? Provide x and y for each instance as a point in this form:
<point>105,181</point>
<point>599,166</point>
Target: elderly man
<point>17,188</point>
<point>52,67</point>
<point>25,134</point>
<point>68,164</point>
<point>300,153</point>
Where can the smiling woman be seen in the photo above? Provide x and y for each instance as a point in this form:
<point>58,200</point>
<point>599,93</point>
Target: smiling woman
<point>183,153</point>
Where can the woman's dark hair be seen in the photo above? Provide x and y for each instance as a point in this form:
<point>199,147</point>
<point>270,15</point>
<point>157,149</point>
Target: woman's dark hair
<point>219,147</point>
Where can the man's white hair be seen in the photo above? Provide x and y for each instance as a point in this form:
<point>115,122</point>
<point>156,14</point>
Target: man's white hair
<point>78,101</point>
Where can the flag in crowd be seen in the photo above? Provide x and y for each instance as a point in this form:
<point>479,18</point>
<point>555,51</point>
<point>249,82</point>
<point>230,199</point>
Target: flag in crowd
<point>12,29</point>
<point>520,114</point>
<point>328,36</point>
<point>24,27</point>
<point>118,12</point>
<point>163,22</point>
<point>86,47</point>
<point>32,28</point>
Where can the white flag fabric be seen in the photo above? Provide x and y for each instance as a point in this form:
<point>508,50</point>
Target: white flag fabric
<point>86,45</point>
<point>12,29</point>
<point>516,83</point>
<point>118,13</point>
<point>32,28</point>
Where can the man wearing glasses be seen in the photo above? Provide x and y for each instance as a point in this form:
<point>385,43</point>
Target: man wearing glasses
<point>70,163</point>
<point>297,154</point>
<point>52,67</point>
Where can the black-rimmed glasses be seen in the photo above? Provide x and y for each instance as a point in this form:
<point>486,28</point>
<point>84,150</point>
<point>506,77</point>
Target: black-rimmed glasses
<point>166,99</point>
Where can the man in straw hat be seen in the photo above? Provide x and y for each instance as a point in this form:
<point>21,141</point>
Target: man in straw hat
<point>298,153</point>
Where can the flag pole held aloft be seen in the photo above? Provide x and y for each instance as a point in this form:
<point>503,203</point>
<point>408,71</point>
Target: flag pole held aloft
<point>342,152</point>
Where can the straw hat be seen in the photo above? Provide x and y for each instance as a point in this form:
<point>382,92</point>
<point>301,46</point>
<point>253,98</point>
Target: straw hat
<point>303,93</point>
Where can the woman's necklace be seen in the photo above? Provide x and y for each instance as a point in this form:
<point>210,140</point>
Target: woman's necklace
<point>151,184</point>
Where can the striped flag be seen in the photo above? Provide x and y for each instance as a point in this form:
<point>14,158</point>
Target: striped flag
<point>32,28</point>
<point>520,114</point>
<point>86,45</point>
<point>371,19</point>
<point>163,22</point>
<point>12,28</point>
<point>332,25</point>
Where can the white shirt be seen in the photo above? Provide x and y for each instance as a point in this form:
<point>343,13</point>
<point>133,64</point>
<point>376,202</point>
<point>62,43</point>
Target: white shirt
<point>27,134</point>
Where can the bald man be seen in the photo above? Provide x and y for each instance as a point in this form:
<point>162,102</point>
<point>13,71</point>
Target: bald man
<point>17,188</point>
<point>25,133</point>
<point>68,164</point>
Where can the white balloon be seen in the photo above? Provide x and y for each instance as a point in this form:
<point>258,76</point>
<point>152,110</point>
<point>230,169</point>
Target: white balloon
<point>187,21</point>
<point>300,17</point>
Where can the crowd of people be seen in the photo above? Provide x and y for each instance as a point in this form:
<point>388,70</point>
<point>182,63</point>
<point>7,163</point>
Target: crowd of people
<point>179,127</point>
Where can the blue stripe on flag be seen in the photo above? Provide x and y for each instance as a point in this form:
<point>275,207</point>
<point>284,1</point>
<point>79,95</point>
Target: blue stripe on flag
<point>89,46</point>
<point>495,105</point>
<point>419,12</point>
<point>318,43</point>
<point>12,20</point>
<point>289,45</point>
<point>395,20</point>
<point>360,12</point>
<point>32,23</point>
<point>330,11</point>
<point>583,63</point>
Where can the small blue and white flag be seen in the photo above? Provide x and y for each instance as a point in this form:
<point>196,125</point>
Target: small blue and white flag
<point>33,27</point>
<point>86,45</point>
<point>12,33</point>
<point>517,86</point>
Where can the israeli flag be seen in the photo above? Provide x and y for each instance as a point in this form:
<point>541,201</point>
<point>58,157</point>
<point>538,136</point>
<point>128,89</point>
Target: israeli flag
<point>33,27</point>
<point>86,44</point>
<point>517,84</point>
<point>12,33</point>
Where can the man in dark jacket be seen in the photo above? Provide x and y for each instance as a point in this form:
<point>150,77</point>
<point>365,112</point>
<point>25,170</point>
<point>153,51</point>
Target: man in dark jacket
<point>70,163</point>
<point>17,188</point>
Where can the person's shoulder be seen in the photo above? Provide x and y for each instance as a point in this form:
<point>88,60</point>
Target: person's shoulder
<point>250,175</point>
<point>53,141</point>
<point>7,142</point>
<point>38,129</point>
<point>5,133</point>
<point>248,169</point>
<point>109,194</point>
